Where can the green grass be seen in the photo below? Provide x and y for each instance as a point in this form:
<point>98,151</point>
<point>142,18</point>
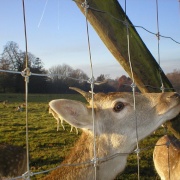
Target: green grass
<point>47,147</point>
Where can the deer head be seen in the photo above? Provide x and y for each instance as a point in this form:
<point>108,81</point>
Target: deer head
<point>114,112</point>
<point>117,122</point>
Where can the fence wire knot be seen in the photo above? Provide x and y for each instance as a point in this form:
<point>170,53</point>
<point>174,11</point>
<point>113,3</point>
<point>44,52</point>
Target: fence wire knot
<point>125,22</point>
<point>158,35</point>
<point>92,82</point>
<point>27,174</point>
<point>95,161</point>
<point>26,72</point>
<point>162,88</point>
<point>85,5</point>
<point>133,86</point>
<point>137,151</point>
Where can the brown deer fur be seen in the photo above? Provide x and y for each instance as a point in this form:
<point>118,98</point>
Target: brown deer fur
<point>166,158</point>
<point>12,160</point>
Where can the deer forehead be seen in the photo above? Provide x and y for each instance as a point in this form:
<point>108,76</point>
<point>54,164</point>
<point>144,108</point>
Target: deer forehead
<point>106,101</point>
<point>157,103</point>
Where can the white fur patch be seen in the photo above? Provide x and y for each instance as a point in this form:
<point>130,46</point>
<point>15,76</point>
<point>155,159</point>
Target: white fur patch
<point>116,140</point>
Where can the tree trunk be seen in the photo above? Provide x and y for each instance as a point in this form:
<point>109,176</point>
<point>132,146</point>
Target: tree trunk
<point>108,19</point>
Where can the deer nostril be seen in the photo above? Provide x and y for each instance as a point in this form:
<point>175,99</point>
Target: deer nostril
<point>175,95</point>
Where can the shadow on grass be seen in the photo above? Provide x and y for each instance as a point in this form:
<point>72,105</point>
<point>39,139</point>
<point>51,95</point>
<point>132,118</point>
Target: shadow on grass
<point>50,145</point>
<point>18,124</point>
<point>43,162</point>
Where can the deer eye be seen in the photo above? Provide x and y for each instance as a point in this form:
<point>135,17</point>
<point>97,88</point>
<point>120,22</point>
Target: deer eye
<point>118,107</point>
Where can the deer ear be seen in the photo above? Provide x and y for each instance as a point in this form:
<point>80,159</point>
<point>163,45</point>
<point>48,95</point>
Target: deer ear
<point>73,112</point>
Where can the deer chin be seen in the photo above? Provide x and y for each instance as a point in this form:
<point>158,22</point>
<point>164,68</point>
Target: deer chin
<point>167,109</point>
<point>146,131</point>
<point>143,129</point>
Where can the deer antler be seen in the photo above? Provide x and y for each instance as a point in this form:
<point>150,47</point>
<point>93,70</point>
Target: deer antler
<point>87,95</point>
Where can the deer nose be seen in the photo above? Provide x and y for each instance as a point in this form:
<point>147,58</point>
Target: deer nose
<point>175,95</point>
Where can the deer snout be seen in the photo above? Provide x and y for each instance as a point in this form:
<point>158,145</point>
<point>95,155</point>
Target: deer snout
<point>175,95</point>
<point>172,95</point>
<point>169,101</point>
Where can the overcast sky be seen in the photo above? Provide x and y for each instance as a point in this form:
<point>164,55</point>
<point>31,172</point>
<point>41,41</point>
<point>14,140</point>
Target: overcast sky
<point>56,32</point>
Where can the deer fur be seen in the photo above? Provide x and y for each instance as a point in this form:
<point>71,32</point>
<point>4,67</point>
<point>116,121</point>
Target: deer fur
<point>12,161</point>
<point>116,123</point>
<point>166,157</point>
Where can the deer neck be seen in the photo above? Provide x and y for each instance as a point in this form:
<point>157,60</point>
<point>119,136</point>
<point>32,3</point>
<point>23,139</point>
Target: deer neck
<point>82,154</point>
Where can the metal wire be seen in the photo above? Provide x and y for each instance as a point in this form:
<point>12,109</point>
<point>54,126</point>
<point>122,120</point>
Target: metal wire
<point>134,91</point>
<point>76,79</point>
<point>158,42</point>
<point>136,26</point>
<point>91,162</point>
<point>27,73</point>
<point>86,6</point>
<point>162,85</point>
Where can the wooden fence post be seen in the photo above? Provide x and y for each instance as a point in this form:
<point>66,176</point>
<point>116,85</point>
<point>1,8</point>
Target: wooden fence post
<point>110,22</point>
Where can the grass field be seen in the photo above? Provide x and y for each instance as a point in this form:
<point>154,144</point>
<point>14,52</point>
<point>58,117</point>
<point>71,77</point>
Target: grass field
<point>48,147</point>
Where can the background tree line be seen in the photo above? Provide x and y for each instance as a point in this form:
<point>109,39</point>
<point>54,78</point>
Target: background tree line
<point>61,76</point>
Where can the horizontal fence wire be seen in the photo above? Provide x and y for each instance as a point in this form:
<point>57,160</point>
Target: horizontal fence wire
<point>50,75</point>
<point>91,162</point>
<point>68,75</point>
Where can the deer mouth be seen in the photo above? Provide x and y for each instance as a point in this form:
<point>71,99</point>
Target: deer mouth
<point>169,102</point>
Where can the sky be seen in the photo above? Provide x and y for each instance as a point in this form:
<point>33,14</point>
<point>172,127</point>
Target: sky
<point>56,33</point>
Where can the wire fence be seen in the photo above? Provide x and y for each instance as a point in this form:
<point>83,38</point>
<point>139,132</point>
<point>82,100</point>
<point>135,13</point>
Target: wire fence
<point>26,74</point>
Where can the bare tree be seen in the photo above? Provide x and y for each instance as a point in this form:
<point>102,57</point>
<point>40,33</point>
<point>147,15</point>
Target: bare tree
<point>64,76</point>
<point>13,56</point>
<point>5,78</point>
<point>15,60</point>
<point>60,72</point>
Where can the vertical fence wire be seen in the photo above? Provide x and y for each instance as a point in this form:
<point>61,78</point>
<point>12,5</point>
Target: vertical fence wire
<point>92,91</point>
<point>158,44</point>
<point>159,61</point>
<point>26,76</point>
<point>133,90</point>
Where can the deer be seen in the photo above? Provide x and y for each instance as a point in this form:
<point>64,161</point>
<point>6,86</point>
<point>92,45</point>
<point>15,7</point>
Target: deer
<point>58,119</point>
<point>55,115</point>
<point>166,158</point>
<point>12,161</point>
<point>76,129</point>
<point>5,103</point>
<point>115,129</point>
